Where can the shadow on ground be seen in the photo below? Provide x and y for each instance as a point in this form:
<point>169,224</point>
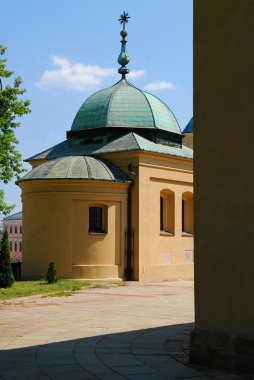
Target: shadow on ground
<point>148,354</point>
<point>139,354</point>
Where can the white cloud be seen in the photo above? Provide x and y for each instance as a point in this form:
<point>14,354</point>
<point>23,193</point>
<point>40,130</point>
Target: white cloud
<point>78,76</point>
<point>135,74</point>
<point>156,86</point>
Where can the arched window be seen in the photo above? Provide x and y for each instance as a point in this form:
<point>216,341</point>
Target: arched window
<point>98,219</point>
<point>187,213</point>
<point>167,211</point>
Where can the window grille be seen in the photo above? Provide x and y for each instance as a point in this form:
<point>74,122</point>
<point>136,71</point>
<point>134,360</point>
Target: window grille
<point>95,219</point>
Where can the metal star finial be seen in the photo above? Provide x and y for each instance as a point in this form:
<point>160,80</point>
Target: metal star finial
<point>124,19</point>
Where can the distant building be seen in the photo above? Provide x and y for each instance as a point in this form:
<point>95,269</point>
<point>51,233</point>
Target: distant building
<point>13,224</point>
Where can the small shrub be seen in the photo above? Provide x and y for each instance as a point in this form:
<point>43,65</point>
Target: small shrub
<point>6,274</point>
<point>51,275</point>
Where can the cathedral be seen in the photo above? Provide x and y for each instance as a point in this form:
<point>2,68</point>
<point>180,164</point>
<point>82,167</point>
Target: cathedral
<point>115,199</point>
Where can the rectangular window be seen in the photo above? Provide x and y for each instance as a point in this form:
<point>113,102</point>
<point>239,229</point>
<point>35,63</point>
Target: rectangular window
<point>10,245</point>
<point>15,246</point>
<point>16,229</point>
<point>10,229</point>
<point>20,229</point>
<point>97,219</point>
<point>20,246</point>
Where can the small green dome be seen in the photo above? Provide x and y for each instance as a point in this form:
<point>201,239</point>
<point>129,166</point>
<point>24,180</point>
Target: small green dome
<point>77,167</point>
<point>124,105</point>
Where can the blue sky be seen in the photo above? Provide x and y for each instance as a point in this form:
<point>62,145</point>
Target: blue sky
<point>66,50</point>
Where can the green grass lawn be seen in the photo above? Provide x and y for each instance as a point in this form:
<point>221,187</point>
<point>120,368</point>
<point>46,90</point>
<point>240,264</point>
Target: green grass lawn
<point>61,288</point>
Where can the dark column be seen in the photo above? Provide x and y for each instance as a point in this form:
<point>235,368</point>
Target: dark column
<point>224,183</point>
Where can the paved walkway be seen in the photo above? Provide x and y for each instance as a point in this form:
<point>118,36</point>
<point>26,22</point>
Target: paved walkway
<point>133,332</point>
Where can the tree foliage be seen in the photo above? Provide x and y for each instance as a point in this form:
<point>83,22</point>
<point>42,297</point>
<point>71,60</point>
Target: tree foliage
<point>11,108</point>
<point>6,275</point>
<point>51,275</point>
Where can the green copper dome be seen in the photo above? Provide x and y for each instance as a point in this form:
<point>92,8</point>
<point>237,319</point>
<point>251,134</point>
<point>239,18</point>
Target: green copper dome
<point>124,105</point>
<point>77,167</point>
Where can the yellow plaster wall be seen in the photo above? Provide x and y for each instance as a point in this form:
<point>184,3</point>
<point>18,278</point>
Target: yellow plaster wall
<point>55,228</point>
<point>84,255</point>
<point>188,140</point>
<point>122,160</point>
<point>35,163</point>
<point>152,251</point>
<point>163,257</point>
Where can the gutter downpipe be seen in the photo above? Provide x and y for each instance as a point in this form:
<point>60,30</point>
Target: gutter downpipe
<point>129,268</point>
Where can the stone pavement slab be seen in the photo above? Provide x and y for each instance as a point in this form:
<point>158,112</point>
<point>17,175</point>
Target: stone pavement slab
<point>137,332</point>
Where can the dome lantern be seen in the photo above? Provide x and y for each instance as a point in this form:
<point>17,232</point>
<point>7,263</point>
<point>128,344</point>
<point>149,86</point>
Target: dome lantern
<point>123,58</point>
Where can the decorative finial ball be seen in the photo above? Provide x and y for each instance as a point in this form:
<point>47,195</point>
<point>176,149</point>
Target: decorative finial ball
<point>123,33</point>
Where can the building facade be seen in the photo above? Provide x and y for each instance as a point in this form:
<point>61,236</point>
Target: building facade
<point>13,224</point>
<point>115,199</point>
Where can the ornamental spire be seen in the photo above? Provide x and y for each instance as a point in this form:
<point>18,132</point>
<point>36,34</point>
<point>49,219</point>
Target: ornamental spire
<point>123,58</point>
